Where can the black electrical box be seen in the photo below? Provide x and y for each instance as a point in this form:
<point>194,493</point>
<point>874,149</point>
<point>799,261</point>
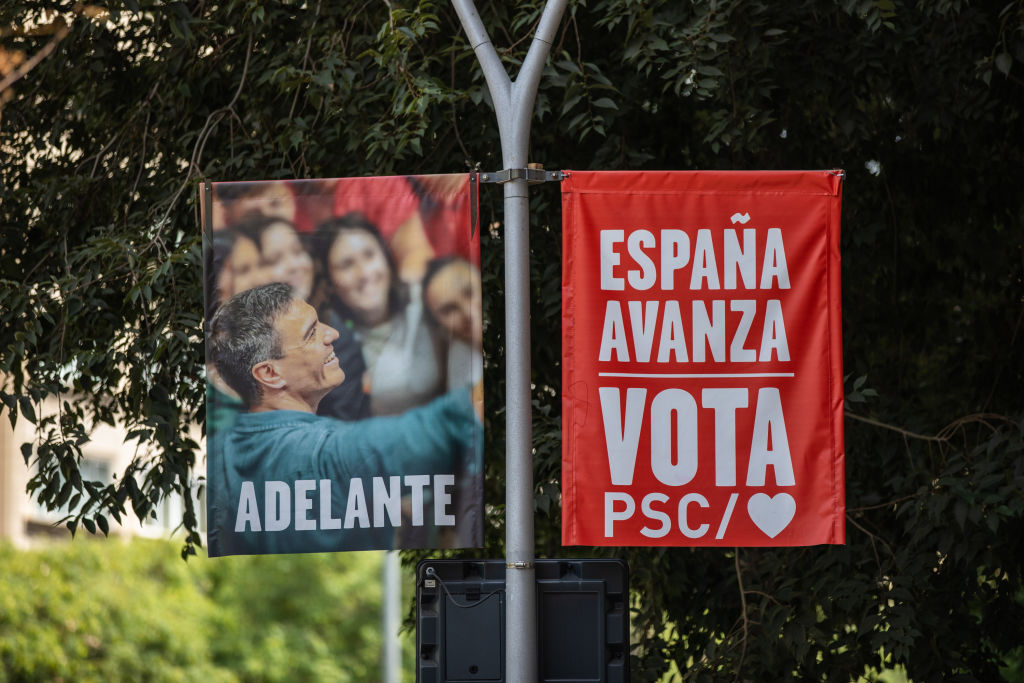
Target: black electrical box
<point>582,621</point>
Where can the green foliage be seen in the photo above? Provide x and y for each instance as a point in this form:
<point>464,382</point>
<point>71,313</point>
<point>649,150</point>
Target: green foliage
<point>104,142</point>
<point>95,611</point>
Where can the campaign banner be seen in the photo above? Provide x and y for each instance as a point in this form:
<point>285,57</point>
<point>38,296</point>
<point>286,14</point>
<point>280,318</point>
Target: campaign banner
<point>702,359</point>
<point>344,362</point>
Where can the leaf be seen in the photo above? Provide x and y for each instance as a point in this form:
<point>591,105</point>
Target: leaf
<point>570,66</point>
<point>63,495</point>
<point>27,409</point>
<point>1003,62</point>
<point>709,70</point>
<point>632,50</point>
<point>960,513</point>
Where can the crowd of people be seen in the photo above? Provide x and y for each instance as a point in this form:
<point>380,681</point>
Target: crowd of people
<point>388,264</point>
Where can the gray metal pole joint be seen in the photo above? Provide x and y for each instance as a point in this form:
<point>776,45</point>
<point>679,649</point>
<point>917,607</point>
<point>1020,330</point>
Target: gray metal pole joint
<point>532,176</point>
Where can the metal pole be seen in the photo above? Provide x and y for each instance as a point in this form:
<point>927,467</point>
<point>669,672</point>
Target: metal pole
<point>513,106</point>
<point>392,608</point>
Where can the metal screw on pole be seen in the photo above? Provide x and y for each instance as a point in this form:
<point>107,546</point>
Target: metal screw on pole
<point>513,106</point>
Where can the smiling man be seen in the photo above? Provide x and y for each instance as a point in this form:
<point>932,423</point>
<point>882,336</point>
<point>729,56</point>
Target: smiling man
<point>283,479</point>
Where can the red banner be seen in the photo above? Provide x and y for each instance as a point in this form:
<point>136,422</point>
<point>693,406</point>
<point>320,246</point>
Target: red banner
<point>702,376</point>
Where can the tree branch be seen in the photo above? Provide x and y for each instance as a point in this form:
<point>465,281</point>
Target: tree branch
<point>204,134</point>
<point>899,430</point>
<point>885,505</point>
<point>305,59</point>
<point>30,64</point>
<point>872,537</point>
<point>746,622</point>
<point>751,591</point>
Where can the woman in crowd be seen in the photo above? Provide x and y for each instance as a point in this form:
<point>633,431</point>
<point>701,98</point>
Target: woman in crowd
<point>233,264</point>
<point>451,294</point>
<point>282,253</point>
<point>366,295</point>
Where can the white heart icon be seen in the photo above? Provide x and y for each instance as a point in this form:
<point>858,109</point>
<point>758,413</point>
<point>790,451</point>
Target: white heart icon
<point>771,514</point>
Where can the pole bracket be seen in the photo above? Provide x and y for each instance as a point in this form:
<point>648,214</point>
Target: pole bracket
<point>519,565</point>
<point>532,176</point>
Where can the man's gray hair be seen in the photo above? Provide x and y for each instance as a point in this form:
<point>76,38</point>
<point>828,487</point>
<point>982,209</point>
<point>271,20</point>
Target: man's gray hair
<point>242,334</point>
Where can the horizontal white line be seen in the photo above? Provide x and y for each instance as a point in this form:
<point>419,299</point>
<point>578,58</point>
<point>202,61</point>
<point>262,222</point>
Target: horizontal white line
<point>712,375</point>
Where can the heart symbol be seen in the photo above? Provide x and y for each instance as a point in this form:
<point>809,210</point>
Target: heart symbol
<point>739,218</point>
<point>771,515</point>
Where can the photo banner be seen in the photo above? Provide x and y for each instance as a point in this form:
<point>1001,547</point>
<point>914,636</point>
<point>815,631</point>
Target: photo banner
<point>702,359</point>
<point>343,332</point>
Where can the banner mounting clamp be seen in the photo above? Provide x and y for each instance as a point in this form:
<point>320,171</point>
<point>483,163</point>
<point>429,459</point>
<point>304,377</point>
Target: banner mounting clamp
<point>521,564</point>
<point>531,175</point>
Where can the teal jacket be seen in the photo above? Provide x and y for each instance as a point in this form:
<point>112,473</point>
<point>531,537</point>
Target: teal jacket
<point>292,482</point>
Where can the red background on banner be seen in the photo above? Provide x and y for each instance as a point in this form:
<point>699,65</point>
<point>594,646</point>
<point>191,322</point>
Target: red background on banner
<point>804,207</point>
